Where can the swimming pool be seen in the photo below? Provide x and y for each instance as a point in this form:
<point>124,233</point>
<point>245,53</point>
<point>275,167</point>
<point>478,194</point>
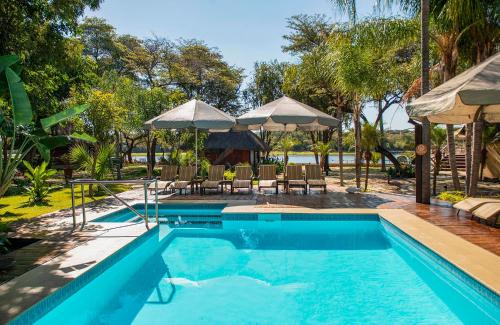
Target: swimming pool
<point>193,212</point>
<point>335,269</point>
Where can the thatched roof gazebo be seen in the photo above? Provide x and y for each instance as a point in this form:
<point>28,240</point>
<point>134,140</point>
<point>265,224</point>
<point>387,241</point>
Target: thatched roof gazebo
<point>234,147</point>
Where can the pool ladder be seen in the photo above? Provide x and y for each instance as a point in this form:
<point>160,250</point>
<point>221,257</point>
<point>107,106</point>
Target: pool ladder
<point>89,181</point>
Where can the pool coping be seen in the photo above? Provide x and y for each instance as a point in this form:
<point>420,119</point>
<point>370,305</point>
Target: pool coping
<point>473,260</point>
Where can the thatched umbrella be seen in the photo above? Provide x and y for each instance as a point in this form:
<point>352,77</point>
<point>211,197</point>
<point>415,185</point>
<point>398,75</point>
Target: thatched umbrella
<point>471,97</point>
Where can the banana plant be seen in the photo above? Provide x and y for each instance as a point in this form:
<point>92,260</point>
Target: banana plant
<point>19,132</point>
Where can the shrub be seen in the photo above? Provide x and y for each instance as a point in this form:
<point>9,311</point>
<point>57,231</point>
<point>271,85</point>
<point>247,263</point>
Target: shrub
<point>280,165</point>
<point>39,187</point>
<point>4,241</point>
<point>451,196</point>
<point>229,174</point>
<point>407,171</point>
<point>375,157</point>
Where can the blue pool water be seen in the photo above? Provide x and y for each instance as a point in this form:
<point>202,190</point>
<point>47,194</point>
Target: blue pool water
<point>170,211</point>
<point>283,272</point>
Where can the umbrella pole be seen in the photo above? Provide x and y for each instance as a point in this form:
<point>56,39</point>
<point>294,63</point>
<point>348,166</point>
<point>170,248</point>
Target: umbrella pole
<point>196,149</point>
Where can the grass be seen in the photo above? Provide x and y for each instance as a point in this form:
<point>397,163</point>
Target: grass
<point>16,207</point>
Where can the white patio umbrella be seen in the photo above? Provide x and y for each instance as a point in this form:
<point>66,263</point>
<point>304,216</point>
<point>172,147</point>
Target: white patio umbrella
<point>196,115</point>
<point>460,99</point>
<point>472,96</point>
<point>286,114</point>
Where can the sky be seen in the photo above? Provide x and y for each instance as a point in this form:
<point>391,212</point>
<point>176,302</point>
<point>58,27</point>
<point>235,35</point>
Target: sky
<point>244,31</point>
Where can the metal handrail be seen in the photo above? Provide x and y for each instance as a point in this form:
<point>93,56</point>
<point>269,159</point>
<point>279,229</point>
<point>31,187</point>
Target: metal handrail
<point>144,182</point>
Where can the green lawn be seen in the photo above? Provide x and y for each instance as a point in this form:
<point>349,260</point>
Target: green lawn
<point>15,207</point>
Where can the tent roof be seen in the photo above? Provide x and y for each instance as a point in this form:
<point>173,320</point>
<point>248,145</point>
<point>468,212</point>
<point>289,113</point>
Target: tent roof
<point>246,140</point>
<point>458,100</point>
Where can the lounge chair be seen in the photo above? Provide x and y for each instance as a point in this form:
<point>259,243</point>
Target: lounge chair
<point>489,212</point>
<point>215,177</point>
<point>186,175</point>
<point>242,178</point>
<point>167,177</point>
<point>294,178</point>
<point>314,177</point>
<point>472,203</point>
<point>267,177</point>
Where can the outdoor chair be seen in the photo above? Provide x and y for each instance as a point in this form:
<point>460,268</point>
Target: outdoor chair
<point>472,203</point>
<point>215,177</point>
<point>294,178</point>
<point>186,175</point>
<point>242,178</point>
<point>267,177</point>
<point>167,177</point>
<point>488,212</point>
<point>314,177</point>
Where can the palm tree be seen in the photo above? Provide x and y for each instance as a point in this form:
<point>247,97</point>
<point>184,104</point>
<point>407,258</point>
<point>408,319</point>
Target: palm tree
<point>96,163</point>
<point>438,137</point>
<point>286,145</point>
<point>369,141</point>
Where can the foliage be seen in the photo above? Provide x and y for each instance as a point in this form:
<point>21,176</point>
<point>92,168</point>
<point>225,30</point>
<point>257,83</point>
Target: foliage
<point>266,83</point>
<point>4,241</point>
<point>96,162</point>
<point>229,174</point>
<point>375,158</point>
<point>41,33</point>
<point>280,164</point>
<point>451,196</point>
<point>17,124</point>
<point>407,171</point>
<point>38,176</point>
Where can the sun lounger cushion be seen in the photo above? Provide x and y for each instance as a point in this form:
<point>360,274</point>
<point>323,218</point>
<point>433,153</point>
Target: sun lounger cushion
<point>268,183</point>
<point>297,182</point>
<point>161,185</point>
<point>241,183</point>
<point>316,182</point>
<point>210,184</point>
<point>488,212</point>
<point>181,184</point>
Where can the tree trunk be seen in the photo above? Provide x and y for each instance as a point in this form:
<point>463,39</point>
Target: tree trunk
<point>468,157</point>
<point>357,144</point>
<point>368,157</point>
<point>382,134</point>
<point>129,153</point>
<point>118,155</point>
<point>438,156</point>
<point>426,128</point>
<point>426,162</point>
<point>476,155</point>
<point>153,154</point>
<point>340,148</point>
<point>452,156</point>
<point>314,142</point>
<point>390,156</point>
<point>326,164</point>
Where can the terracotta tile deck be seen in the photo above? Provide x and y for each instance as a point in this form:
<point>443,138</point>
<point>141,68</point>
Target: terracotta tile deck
<point>445,217</point>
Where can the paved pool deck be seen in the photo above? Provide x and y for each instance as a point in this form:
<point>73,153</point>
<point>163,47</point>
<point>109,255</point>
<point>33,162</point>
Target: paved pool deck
<point>64,253</point>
